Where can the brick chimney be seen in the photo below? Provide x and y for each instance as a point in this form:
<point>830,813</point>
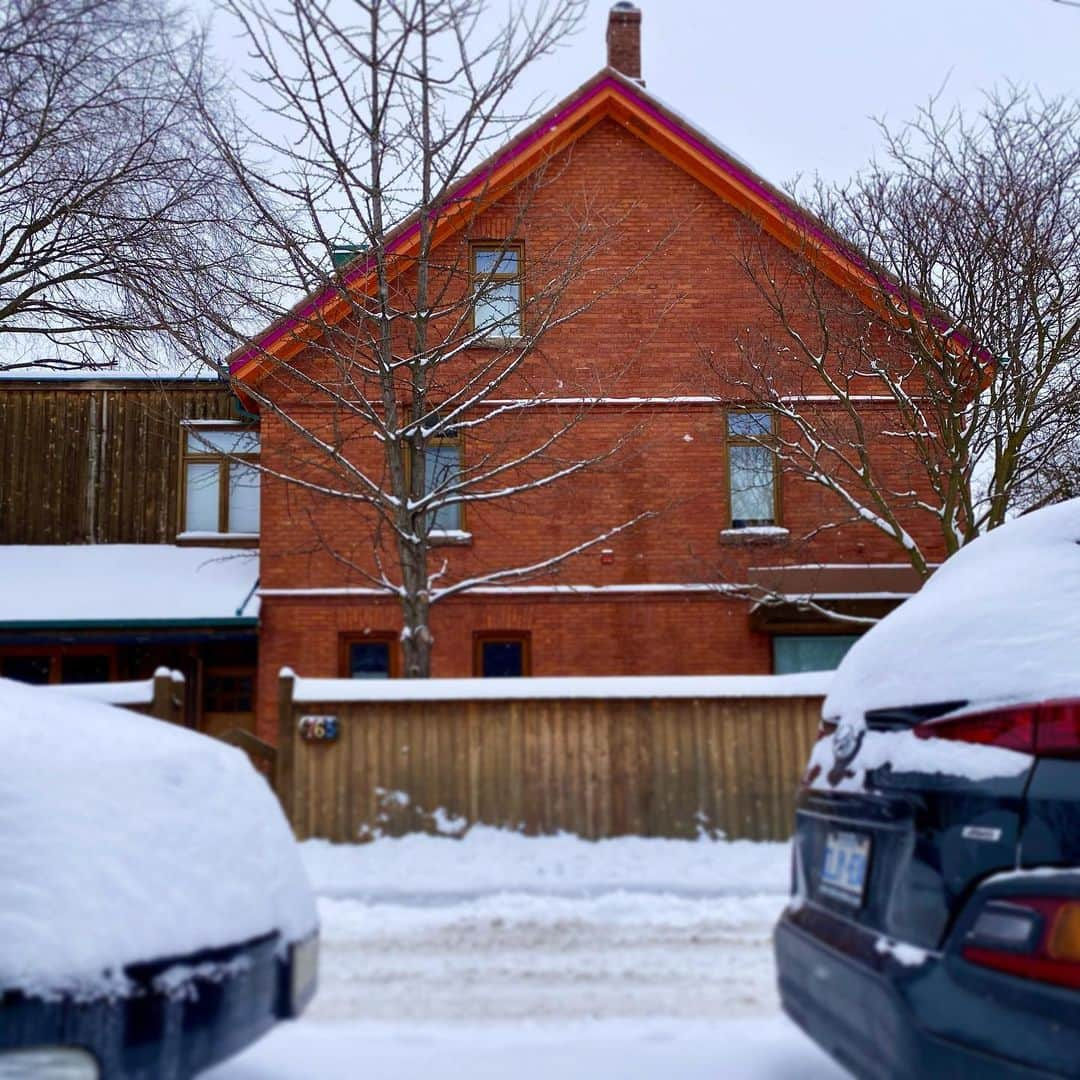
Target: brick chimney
<point>624,40</point>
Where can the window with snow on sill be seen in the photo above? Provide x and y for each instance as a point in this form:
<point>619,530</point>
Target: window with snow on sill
<point>449,536</point>
<point>756,532</point>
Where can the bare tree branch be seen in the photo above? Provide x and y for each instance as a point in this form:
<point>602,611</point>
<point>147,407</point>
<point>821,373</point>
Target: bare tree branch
<point>113,202</point>
<point>946,397</point>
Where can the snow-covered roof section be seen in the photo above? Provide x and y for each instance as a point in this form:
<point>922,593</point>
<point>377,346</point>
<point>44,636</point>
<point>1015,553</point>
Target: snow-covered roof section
<point>128,583</point>
<point>998,622</point>
<point>808,684</point>
<point>36,374</point>
<point>125,839</point>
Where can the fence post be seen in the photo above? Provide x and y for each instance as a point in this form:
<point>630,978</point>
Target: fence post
<point>168,696</point>
<point>283,780</point>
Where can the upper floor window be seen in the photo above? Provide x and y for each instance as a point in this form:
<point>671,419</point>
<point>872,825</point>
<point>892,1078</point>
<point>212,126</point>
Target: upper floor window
<point>751,469</point>
<point>496,289</point>
<point>220,485</point>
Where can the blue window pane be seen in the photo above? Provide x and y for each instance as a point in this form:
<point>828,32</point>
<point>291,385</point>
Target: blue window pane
<point>442,467</point>
<point>230,441</point>
<point>749,425</point>
<point>750,472</point>
<point>495,261</point>
<point>502,659</point>
<point>369,660</point>
<point>809,652</point>
<point>498,310</point>
<point>202,496</point>
<point>243,498</point>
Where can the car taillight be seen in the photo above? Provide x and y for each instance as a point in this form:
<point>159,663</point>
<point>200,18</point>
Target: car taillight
<point>1051,729</point>
<point>1058,731</point>
<point>1030,937</point>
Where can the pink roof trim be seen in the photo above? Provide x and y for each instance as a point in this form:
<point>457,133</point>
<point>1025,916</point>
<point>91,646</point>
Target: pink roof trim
<point>680,130</point>
<point>466,189</point>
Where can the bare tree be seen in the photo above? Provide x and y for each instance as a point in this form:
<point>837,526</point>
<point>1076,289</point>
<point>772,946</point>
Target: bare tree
<point>413,386</point>
<point>932,399</point>
<point>112,198</point>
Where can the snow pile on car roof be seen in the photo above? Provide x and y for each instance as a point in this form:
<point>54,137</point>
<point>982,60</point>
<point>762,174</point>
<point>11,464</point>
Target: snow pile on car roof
<point>999,622</point>
<point>125,839</point>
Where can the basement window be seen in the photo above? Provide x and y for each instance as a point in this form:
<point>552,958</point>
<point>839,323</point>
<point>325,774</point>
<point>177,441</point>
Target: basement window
<point>368,656</point>
<point>220,483</point>
<point>501,655</point>
<point>809,652</point>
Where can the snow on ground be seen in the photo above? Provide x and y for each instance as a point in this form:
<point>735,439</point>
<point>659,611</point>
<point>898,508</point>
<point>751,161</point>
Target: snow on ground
<point>757,1049</point>
<point>492,861</point>
<point>501,956</point>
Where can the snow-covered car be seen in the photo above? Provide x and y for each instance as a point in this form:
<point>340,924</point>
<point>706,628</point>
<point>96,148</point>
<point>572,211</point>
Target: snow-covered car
<point>934,928</point>
<point>154,914</point>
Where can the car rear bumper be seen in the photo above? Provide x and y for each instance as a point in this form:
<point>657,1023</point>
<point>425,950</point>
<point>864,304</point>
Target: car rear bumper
<point>182,1015</point>
<point>867,1015</point>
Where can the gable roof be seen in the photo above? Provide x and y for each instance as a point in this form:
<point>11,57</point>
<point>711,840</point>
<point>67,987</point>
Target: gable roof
<point>608,94</point>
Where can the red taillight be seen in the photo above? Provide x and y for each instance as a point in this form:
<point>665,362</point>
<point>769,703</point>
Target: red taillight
<point>1058,732</point>
<point>1052,954</point>
<point>1051,729</point>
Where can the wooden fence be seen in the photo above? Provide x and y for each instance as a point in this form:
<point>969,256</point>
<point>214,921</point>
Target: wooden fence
<point>665,764</point>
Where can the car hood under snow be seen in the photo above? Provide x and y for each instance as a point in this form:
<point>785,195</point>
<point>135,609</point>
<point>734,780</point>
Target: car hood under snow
<point>998,622</point>
<point>124,839</point>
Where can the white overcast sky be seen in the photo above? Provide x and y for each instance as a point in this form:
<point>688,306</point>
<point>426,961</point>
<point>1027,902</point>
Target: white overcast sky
<point>791,85</point>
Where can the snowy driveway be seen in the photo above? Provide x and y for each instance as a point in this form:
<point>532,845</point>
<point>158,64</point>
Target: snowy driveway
<point>500,956</point>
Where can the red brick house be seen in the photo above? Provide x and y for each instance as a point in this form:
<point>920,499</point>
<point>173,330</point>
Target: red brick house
<point>653,599</point>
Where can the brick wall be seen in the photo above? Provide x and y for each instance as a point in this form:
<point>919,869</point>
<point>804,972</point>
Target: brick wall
<point>648,337</point>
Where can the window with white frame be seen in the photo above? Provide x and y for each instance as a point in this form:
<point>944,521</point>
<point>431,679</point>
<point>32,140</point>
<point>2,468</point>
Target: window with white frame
<point>220,484</point>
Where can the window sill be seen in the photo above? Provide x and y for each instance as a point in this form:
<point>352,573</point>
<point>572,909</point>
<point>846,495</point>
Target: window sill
<point>216,539</point>
<point>498,342</point>
<point>449,538</point>
<point>754,535</point>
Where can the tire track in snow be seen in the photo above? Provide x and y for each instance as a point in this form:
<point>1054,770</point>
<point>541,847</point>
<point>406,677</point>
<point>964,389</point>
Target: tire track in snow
<point>528,956</point>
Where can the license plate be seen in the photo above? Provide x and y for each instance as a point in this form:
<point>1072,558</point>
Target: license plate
<point>847,857</point>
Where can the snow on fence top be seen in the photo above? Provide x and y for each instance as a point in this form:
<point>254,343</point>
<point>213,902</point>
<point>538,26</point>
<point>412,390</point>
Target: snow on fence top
<point>134,692</point>
<point>139,692</point>
<point>808,684</point>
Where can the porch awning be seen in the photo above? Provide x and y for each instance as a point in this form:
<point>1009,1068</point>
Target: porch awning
<point>796,598</point>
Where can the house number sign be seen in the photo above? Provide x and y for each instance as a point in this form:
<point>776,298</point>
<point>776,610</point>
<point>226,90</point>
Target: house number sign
<point>318,728</point>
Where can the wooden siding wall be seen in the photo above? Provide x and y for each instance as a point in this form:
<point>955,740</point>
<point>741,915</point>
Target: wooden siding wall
<point>595,768</point>
<point>95,462</point>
